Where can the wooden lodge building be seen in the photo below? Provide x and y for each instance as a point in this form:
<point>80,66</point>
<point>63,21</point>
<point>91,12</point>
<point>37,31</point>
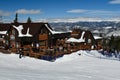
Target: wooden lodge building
<point>83,40</point>
<point>39,40</point>
<point>31,37</point>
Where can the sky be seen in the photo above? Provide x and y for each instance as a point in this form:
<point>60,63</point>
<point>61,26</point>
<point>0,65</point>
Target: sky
<point>46,9</point>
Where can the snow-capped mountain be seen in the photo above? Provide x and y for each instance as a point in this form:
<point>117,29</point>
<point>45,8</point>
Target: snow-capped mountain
<point>79,19</point>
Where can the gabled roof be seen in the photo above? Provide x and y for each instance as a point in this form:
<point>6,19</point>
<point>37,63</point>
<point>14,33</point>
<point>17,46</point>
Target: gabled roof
<point>28,29</point>
<point>97,37</point>
<point>4,27</point>
<point>75,40</point>
<point>52,31</point>
<point>3,32</point>
<point>81,37</point>
<point>31,29</point>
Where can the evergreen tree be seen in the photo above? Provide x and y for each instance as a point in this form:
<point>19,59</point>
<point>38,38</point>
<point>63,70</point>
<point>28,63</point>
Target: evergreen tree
<point>29,20</point>
<point>105,43</point>
<point>118,44</point>
<point>16,18</point>
<point>112,42</point>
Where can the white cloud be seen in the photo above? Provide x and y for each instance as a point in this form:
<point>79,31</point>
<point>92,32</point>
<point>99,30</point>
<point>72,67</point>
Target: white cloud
<point>76,11</point>
<point>115,2</point>
<point>94,12</point>
<point>24,11</point>
<point>4,13</point>
<point>103,12</point>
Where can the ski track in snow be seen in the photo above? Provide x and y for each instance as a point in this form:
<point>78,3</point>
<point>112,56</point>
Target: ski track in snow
<point>69,67</point>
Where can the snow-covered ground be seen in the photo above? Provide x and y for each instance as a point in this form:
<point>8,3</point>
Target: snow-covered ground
<point>69,67</point>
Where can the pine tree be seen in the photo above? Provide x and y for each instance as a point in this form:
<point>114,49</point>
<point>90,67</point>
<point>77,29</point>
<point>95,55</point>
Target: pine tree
<point>105,43</point>
<point>16,18</point>
<point>118,44</point>
<point>29,20</point>
<point>112,42</point>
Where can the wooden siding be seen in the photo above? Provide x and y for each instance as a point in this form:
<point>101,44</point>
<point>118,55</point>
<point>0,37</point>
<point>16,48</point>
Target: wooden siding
<point>43,36</point>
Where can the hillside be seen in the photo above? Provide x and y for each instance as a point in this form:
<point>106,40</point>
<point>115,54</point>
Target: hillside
<point>69,67</point>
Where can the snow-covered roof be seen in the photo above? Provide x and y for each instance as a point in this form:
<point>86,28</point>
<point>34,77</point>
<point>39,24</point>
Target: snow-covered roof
<point>20,34</point>
<point>97,37</point>
<point>53,32</point>
<point>77,40</point>
<point>114,33</point>
<point>82,35</point>
<point>96,31</point>
<point>108,27</point>
<point>3,32</point>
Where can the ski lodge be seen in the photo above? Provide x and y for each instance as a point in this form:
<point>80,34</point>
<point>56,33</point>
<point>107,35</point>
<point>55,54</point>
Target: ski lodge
<point>39,40</point>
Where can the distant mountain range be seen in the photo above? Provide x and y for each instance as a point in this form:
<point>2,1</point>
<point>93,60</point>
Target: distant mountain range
<point>80,19</point>
<point>84,25</point>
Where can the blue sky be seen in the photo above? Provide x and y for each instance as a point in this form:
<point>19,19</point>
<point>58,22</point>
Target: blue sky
<point>39,9</point>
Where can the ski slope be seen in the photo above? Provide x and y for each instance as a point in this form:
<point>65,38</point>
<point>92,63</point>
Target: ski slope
<point>69,67</point>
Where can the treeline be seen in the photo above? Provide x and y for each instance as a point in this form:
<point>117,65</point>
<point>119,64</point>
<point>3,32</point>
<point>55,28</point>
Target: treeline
<point>112,43</point>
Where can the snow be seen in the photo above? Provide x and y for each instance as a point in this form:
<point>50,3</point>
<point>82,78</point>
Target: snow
<point>97,37</point>
<point>70,67</point>
<point>82,34</point>
<point>78,19</point>
<point>3,32</point>
<point>108,27</point>
<point>96,31</point>
<point>77,40</point>
<point>19,29</point>
<point>53,32</point>
<point>114,33</point>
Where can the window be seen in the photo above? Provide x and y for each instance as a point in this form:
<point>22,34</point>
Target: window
<point>3,36</point>
<point>89,40</point>
<point>13,32</point>
<point>43,31</point>
<point>12,37</point>
<point>43,43</point>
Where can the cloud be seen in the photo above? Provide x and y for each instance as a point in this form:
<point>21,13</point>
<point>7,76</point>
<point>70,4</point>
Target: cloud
<point>24,11</point>
<point>103,12</point>
<point>94,12</point>
<point>4,13</point>
<point>115,2</point>
<point>76,11</point>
